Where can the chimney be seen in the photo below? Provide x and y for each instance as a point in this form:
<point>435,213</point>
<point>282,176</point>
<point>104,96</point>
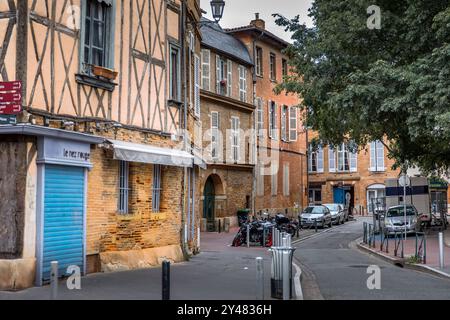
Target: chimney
<point>259,23</point>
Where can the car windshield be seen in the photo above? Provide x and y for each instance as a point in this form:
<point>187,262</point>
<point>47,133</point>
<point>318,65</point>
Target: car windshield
<point>400,212</point>
<point>314,210</point>
<point>332,207</point>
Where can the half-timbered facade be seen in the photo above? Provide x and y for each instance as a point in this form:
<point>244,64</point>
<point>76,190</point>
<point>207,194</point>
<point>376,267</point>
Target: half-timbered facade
<point>97,170</point>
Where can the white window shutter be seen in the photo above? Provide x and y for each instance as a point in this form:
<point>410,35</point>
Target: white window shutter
<point>284,117</point>
<point>270,120</point>
<point>320,161</point>
<point>230,78</point>
<point>373,156</point>
<point>380,157</point>
<point>275,119</point>
<point>197,86</point>
<point>353,162</point>
<point>206,70</point>
<point>293,124</point>
<point>286,181</point>
<point>214,134</point>
<point>218,74</point>
<point>260,117</point>
<point>332,159</point>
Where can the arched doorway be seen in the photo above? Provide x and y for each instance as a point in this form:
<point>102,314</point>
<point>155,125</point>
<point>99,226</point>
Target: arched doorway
<point>209,204</point>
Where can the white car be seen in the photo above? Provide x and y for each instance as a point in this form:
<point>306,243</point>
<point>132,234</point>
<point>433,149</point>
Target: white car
<point>337,213</point>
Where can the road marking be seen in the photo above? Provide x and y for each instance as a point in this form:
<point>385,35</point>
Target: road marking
<point>298,282</point>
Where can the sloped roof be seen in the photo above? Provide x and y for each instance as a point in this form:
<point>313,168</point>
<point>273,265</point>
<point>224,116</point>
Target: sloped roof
<point>216,38</point>
<point>267,34</point>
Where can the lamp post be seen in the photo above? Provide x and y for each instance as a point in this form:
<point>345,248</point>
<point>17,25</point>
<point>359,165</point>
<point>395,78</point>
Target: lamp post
<point>217,7</point>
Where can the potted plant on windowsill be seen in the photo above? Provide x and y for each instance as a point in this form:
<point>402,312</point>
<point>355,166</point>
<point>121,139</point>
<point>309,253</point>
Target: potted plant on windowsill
<point>104,72</point>
<point>223,83</point>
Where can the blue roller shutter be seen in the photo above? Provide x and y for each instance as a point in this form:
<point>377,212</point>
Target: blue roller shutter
<point>64,201</point>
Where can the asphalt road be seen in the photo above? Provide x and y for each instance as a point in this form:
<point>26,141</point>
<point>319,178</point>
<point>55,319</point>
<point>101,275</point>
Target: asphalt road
<point>334,269</point>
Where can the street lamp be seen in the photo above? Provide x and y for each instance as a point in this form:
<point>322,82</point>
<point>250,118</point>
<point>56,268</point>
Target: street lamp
<point>217,7</point>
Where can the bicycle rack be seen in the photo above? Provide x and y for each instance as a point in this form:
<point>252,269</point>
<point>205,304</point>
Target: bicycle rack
<point>384,241</point>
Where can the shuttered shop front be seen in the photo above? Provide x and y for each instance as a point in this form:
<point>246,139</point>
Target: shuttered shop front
<point>64,202</point>
<point>62,177</point>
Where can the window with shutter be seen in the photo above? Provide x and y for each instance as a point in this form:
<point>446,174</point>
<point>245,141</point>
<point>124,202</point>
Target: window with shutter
<point>235,138</point>
<point>242,84</point>
<point>270,119</point>
<point>197,86</point>
<point>284,124</point>
<point>230,78</point>
<point>320,161</point>
<point>332,159</point>
<point>219,77</point>
<point>214,135</point>
<point>377,157</point>
<point>206,78</point>
<point>260,117</point>
<point>293,124</point>
<point>353,162</point>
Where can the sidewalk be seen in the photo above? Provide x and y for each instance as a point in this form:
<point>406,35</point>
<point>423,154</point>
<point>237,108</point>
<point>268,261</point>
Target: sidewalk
<point>432,253</point>
<point>220,272</point>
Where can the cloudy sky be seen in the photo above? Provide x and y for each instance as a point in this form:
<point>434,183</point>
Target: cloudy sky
<point>240,12</point>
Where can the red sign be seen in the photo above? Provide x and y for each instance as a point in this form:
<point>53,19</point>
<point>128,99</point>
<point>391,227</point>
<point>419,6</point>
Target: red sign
<point>10,108</point>
<point>10,86</point>
<point>10,97</point>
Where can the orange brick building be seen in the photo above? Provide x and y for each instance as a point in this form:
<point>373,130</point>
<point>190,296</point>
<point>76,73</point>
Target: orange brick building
<point>281,175</point>
<point>338,175</point>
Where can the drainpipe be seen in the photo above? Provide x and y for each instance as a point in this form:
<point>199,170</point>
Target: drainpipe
<point>256,167</point>
<point>184,247</point>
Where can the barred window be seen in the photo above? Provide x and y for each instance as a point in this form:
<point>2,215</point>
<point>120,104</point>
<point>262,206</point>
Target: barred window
<point>156,192</point>
<point>124,188</point>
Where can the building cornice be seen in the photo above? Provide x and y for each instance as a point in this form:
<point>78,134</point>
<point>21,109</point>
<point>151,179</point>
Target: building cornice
<point>230,102</point>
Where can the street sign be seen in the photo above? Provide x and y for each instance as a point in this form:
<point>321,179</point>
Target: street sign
<point>10,86</point>
<point>10,97</point>
<point>10,109</point>
<point>8,119</point>
<point>404,181</point>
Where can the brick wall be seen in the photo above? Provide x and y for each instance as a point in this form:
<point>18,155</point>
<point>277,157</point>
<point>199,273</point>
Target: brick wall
<point>107,230</point>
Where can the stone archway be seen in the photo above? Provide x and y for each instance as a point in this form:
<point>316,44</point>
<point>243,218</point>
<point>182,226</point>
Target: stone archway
<point>213,187</point>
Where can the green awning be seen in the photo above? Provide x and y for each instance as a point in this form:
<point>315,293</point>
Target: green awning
<point>438,183</point>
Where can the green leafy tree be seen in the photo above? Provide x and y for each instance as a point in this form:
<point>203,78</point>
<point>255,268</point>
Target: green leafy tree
<point>364,85</point>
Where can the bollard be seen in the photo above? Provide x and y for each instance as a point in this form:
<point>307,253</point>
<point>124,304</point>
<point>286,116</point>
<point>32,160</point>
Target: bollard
<point>441,250</point>
<point>220,226</point>
<point>273,236</point>
<point>286,275</point>
<point>54,280</point>
<point>248,236</point>
<point>198,238</point>
<point>315,225</point>
<point>259,278</point>
<point>166,281</point>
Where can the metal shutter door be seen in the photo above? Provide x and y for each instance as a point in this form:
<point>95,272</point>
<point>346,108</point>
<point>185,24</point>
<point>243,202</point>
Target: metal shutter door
<point>63,218</point>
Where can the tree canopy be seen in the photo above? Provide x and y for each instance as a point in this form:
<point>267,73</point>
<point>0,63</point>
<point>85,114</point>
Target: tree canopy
<point>363,85</point>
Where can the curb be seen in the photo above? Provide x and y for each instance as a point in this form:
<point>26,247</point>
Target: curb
<point>402,262</point>
<point>298,283</point>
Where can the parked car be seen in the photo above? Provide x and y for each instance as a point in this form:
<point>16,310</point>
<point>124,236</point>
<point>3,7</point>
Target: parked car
<point>316,214</point>
<point>338,215</point>
<point>394,220</point>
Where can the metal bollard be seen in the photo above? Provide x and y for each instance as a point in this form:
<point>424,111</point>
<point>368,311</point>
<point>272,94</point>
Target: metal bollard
<point>259,278</point>
<point>315,225</point>
<point>220,226</point>
<point>54,281</point>
<point>441,250</point>
<point>248,236</point>
<point>286,275</point>
<point>166,281</point>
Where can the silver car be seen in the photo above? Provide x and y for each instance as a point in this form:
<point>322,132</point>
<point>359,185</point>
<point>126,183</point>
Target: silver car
<point>313,215</point>
<point>394,220</point>
<point>337,213</point>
